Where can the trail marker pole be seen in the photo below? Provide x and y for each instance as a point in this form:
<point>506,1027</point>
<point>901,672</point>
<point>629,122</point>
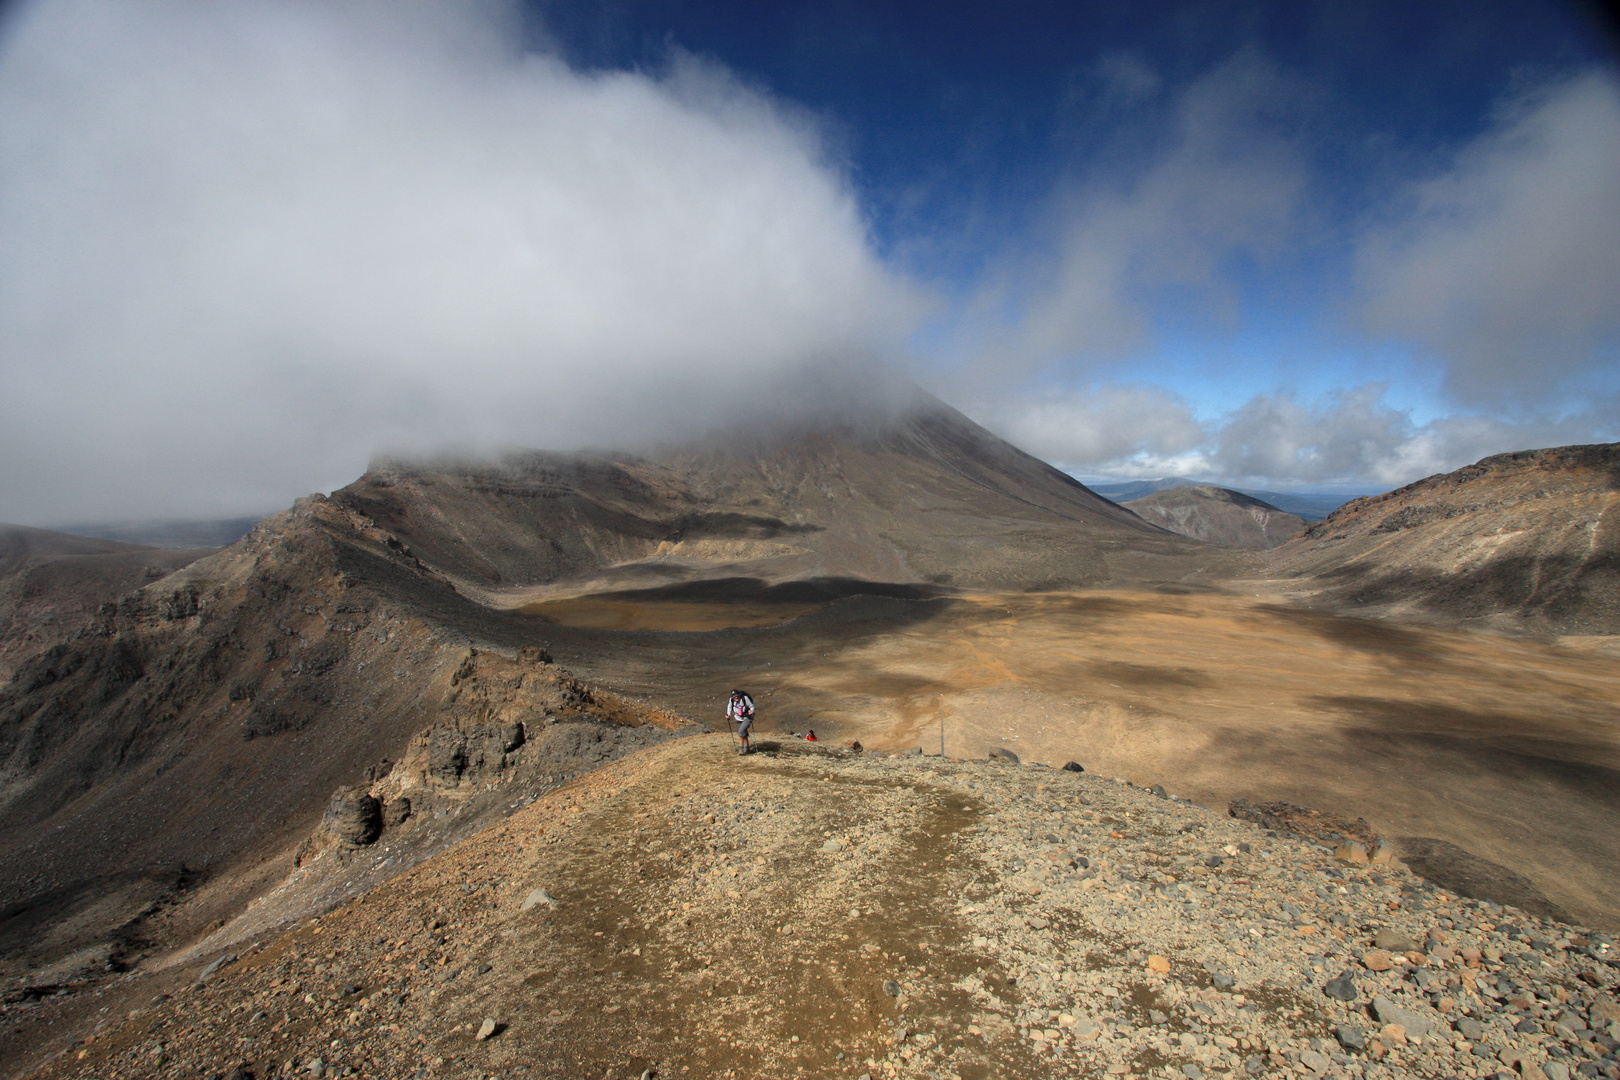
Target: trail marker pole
<point>942,727</point>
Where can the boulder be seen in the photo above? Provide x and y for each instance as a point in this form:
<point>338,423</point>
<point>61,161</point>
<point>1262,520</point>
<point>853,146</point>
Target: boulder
<point>1342,988</point>
<point>1004,754</point>
<point>1377,960</point>
<point>353,817</point>
<point>1352,853</point>
<point>538,897</point>
<point>1604,1011</point>
<point>1414,1022</point>
<point>1394,941</point>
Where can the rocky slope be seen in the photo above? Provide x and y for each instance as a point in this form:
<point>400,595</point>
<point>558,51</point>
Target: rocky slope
<point>1218,515</point>
<point>1524,539</point>
<point>52,583</point>
<point>685,912</point>
<point>168,762</point>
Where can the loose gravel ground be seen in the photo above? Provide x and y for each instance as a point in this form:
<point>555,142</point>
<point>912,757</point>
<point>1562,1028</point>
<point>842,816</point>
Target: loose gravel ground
<point>808,912</point>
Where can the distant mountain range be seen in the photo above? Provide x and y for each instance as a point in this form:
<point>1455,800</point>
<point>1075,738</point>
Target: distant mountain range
<point>222,532</point>
<point>1310,505</point>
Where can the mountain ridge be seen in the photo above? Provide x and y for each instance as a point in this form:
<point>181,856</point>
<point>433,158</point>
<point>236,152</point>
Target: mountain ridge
<point>219,736</point>
<point>932,497</point>
<point>1529,537</point>
<point>52,583</point>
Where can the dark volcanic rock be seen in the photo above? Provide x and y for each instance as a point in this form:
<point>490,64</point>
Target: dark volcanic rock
<point>397,812</point>
<point>1342,988</point>
<point>455,752</point>
<point>353,817</point>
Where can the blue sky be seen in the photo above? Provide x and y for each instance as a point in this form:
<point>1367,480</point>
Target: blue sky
<point>972,132</point>
<point>246,246</point>
<point>953,114</point>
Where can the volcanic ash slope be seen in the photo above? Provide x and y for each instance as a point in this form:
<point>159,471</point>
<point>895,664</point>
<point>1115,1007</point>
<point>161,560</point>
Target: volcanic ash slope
<point>1523,540</point>
<point>925,498</point>
<point>817,913</point>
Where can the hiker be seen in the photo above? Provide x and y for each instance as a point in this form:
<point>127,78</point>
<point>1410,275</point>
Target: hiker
<point>811,736</point>
<point>740,710</point>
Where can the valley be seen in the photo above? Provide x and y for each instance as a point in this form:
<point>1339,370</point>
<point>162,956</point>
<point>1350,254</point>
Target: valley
<point>378,682</point>
<point>1506,747</point>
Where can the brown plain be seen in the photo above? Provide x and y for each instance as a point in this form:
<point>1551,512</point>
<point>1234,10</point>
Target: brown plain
<point>1506,747</point>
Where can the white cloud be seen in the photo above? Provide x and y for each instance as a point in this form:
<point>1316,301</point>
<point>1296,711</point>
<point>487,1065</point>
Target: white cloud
<point>1274,435</point>
<point>1506,262</point>
<point>1110,423</point>
<point>1126,76</point>
<point>1354,437</point>
<point>243,245</point>
<point>1351,438</point>
<point>1503,267</point>
<point>1226,179</point>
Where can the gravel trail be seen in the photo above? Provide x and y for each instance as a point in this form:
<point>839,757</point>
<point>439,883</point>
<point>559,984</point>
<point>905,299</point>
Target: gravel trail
<point>809,912</point>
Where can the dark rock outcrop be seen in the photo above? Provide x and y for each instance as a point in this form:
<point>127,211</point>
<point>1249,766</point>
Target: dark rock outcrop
<point>353,817</point>
<point>1303,821</point>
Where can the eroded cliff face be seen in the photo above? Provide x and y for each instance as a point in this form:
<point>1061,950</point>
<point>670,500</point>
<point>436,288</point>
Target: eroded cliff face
<point>168,760</point>
<point>1529,539</point>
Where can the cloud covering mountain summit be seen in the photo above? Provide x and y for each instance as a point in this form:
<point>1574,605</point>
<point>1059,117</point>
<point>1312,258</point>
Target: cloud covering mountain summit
<point>291,233</point>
